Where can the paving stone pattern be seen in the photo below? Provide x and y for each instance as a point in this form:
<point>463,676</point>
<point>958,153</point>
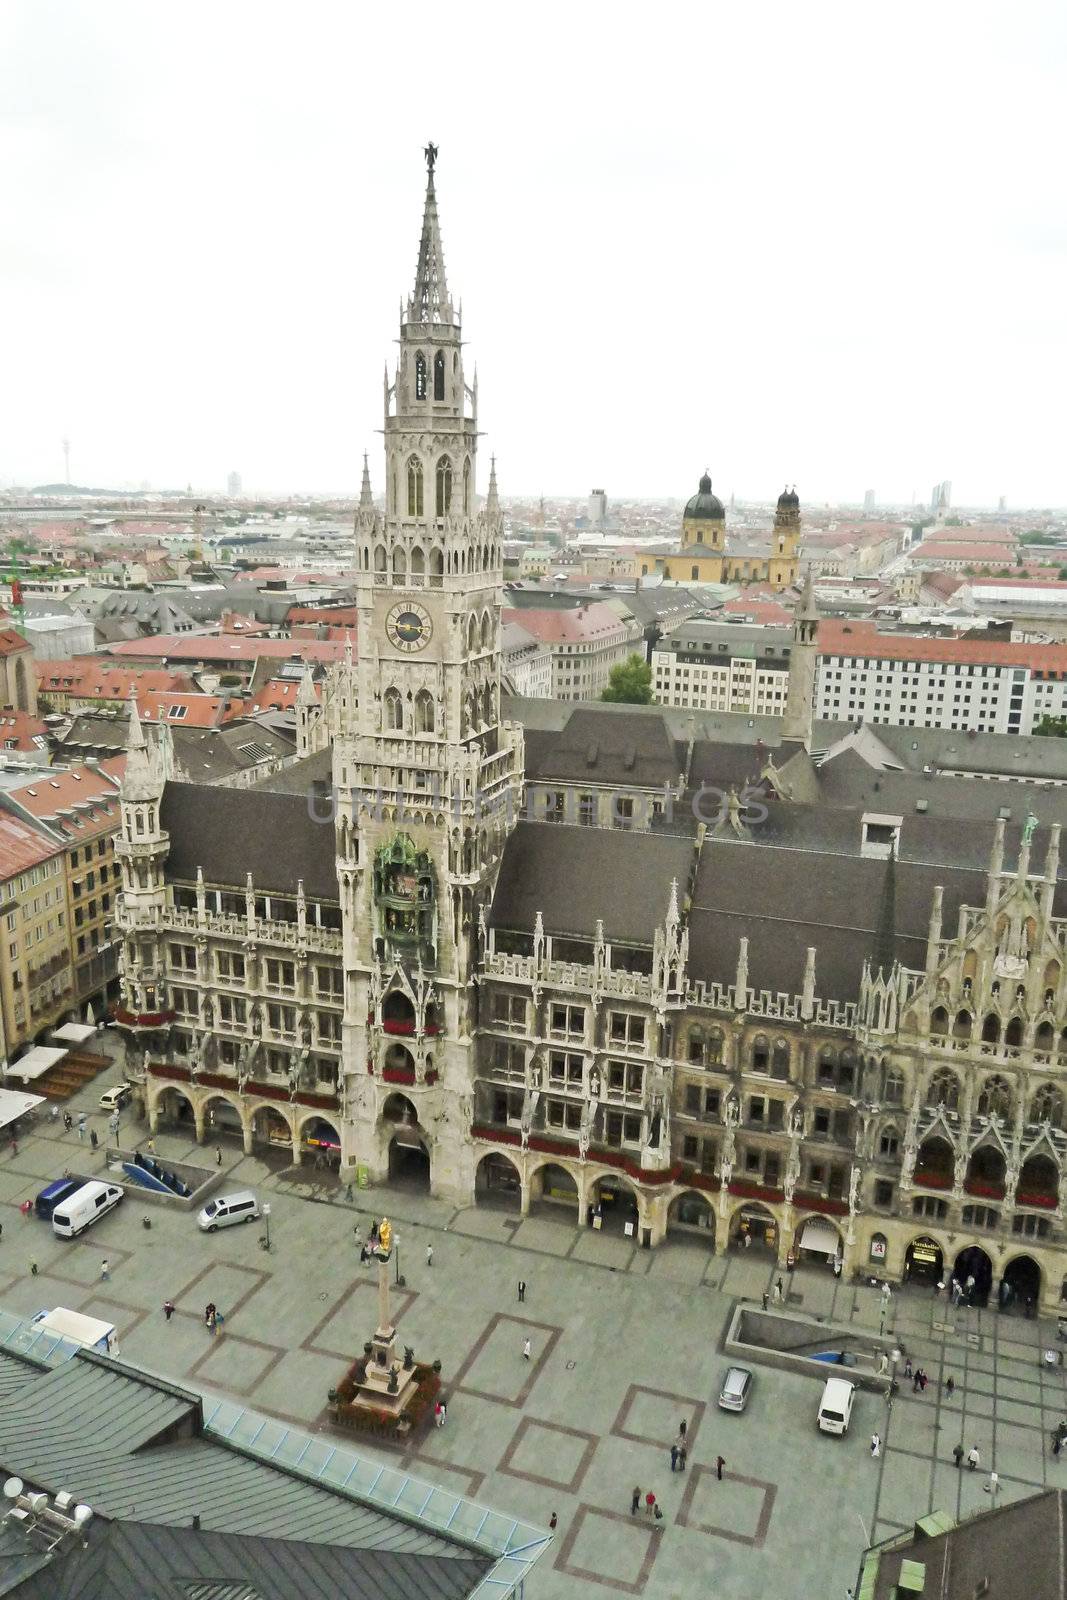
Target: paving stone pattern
<point>624,1344</point>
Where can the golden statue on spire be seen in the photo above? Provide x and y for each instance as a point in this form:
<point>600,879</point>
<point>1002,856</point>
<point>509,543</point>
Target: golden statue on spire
<point>385,1236</point>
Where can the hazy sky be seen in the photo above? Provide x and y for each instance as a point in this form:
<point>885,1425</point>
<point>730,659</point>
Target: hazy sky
<point>812,241</point>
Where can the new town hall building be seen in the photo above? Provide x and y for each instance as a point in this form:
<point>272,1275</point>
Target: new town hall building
<point>628,966</point>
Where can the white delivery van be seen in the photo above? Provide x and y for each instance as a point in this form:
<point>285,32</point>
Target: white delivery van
<point>835,1407</point>
<point>85,1205</point>
<point>228,1209</point>
<point>89,1332</point>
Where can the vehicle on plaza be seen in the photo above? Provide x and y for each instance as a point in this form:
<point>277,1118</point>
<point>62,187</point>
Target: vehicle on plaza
<point>736,1387</point>
<point>228,1209</point>
<point>89,1332</point>
<point>835,1407</point>
<point>55,1194</point>
<point>84,1207</point>
<point>115,1098</point>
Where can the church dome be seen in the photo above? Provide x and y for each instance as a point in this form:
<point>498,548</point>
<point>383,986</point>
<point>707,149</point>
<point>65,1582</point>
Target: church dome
<point>789,500</point>
<point>705,505</point>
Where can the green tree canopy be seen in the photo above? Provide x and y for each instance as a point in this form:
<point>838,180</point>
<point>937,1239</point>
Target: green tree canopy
<point>630,683</point>
<point>1051,728</point>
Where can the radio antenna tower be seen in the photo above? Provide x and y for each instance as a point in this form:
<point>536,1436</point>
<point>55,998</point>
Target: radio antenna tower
<point>66,460</point>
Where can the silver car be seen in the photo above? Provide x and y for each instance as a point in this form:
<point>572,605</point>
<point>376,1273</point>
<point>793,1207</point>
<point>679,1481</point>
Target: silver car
<point>736,1388</point>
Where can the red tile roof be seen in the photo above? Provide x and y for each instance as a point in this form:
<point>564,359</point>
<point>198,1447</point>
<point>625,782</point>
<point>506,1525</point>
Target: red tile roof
<point>190,710</point>
<point>227,648</point>
<point>19,731</point>
<point>554,625</point>
<point>83,801</point>
<point>943,550</point>
<point>11,642</point>
<point>863,639</point>
<point>22,847</point>
<point>95,678</point>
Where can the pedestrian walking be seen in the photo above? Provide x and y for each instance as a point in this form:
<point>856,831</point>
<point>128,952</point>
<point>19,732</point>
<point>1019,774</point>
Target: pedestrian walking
<point>151,1147</point>
<point>924,1379</point>
<point>991,1486</point>
<point>883,1364</point>
<point>209,1312</point>
<point>444,1411</point>
<point>876,1445</point>
<point>1057,1442</point>
<point>950,1387</point>
<point>429,1255</point>
<point>720,1462</point>
<point>778,1291</point>
<point>683,1429</point>
<point>522,1291</point>
<point>14,1145</point>
<point>55,1115</point>
<point>68,1121</point>
<point>973,1458</point>
<point>93,1139</point>
<point>553,1522</point>
<point>526,1350</point>
<point>438,1415</point>
<point>168,1309</point>
<point>765,1299</point>
<point>82,1124</point>
<point>105,1269</point>
<point>916,1380</point>
<point>1,1230</point>
<point>635,1500</point>
<point>33,1269</point>
<point>218,1155</point>
<point>907,1367</point>
<point>674,1458</point>
<point>650,1504</point>
<point>683,1457</point>
<point>957,1455</point>
<point>886,1291</point>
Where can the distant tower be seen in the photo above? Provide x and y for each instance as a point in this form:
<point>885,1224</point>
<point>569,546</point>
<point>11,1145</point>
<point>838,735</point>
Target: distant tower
<point>598,507</point>
<point>868,500</point>
<point>233,485</point>
<point>66,460</point>
<point>800,695</point>
<point>785,540</point>
<point>1002,503</point>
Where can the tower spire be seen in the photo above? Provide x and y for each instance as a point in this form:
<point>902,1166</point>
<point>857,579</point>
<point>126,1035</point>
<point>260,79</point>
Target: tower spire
<point>492,499</point>
<point>366,499</point>
<point>800,693</point>
<point>430,301</point>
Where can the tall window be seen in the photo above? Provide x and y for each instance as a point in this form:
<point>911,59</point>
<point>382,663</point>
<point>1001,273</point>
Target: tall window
<point>424,712</point>
<point>439,375</point>
<point>444,486</point>
<point>414,487</point>
<point>420,376</point>
<point>394,710</point>
<point>466,488</point>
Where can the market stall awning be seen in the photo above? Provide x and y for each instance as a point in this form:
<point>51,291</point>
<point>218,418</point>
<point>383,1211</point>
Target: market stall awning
<point>819,1236</point>
<point>14,1103</point>
<point>35,1063</point>
<point>73,1033</point>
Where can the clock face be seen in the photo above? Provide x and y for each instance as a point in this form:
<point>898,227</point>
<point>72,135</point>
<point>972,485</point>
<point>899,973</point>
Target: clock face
<point>408,627</point>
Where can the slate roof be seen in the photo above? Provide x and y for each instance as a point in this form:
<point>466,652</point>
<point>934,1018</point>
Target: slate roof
<point>574,876</point>
<point>634,751</point>
<point>231,832</point>
<point>1018,1550</point>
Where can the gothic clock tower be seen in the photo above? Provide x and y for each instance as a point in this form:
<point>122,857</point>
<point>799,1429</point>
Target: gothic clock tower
<point>428,779</point>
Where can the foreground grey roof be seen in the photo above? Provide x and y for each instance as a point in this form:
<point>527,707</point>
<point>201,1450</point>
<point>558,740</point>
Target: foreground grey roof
<point>131,1446</point>
<point>629,750</point>
<point>231,832</point>
<point>575,876</point>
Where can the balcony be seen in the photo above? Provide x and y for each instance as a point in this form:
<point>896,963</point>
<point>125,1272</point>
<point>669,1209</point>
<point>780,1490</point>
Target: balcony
<point>932,1178</point>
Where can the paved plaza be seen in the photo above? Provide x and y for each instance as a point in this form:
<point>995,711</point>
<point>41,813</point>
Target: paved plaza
<point>625,1343</point>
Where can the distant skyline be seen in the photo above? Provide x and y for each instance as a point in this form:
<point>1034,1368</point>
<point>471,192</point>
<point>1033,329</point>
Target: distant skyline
<point>786,243</point>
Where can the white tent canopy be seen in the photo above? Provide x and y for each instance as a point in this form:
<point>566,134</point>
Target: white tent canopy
<point>35,1063</point>
<point>73,1033</point>
<point>820,1236</point>
<point>14,1103</point>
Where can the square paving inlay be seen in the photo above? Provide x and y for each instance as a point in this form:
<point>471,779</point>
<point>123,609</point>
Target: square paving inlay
<point>539,1443</point>
<point>735,1508</point>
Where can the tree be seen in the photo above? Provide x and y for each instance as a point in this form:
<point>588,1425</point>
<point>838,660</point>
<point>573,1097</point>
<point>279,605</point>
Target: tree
<point>1051,728</point>
<point>630,683</point>
<point>1062,575</point>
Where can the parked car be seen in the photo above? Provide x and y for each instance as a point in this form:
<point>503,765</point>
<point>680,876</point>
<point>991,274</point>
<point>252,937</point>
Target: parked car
<point>115,1097</point>
<point>54,1195</point>
<point>84,1207</point>
<point>227,1209</point>
<point>736,1387</point>
<point>835,1407</point>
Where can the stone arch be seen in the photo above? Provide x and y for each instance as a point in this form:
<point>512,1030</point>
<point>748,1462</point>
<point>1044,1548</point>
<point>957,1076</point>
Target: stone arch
<point>616,1200</point>
<point>985,1172</point>
<point>415,487</point>
<point>1039,1181</point>
<point>230,1117</point>
<point>271,1124</point>
<point>417,564</point>
<point>991,1028</point>
<point>400,561</point>
<point>964,1023</point>
<point>935,1162</point>
<point>1023,1276</point>
<point>164,1103</point>
<point>398,1012</point>
<point>891,1085</point>
<point>420,375</point>
<point>498,1182</point>
<point>487,630</point>
<point>995,1098</point>
<point>691,1214</point>
<point>437,562</point>
<point>392,709</point>
<point>439,375</point>
<point>22,684</point>
<point>555,1190</point>
<point>973,1262</point>
<point>752,1219</point>
<point>319,1135</point>
<point>424,712</point>
<point>924,1259</point>
<point>943,1090</point>
<point>1013,1032</point>
<point>381,560</point>
<point>399,1063</point>
<point>1047,1105</point>
<point>939,1020</point>
<point>472,634</point>
<point>443,487</point>
<point>818,1229</point>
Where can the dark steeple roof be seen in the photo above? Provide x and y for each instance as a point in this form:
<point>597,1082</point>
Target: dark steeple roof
<point>704,504</point>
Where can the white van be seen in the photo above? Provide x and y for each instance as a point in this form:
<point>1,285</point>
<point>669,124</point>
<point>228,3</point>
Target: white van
<point>835,1407</point>
<point>228,1209</point>
<point>85,1205</point>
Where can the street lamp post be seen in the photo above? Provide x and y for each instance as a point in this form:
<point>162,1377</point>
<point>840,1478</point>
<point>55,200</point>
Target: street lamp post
<point>266,1218</point>
<point>396,1244</point>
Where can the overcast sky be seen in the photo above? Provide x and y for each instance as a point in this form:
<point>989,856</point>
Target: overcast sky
<point>808,241</point>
